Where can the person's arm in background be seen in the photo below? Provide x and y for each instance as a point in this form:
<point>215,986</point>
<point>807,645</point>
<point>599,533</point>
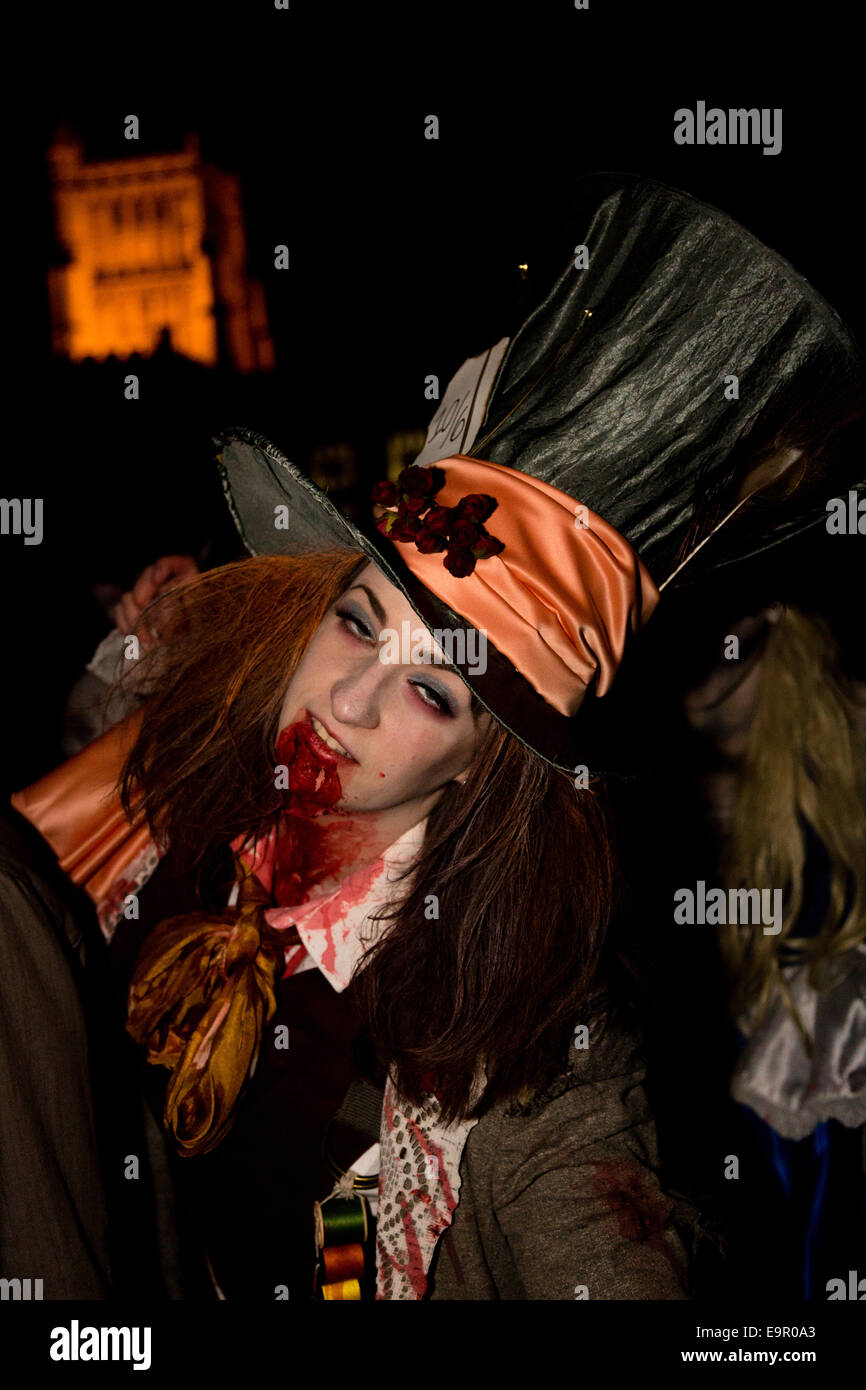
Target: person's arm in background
<point>95,703</point>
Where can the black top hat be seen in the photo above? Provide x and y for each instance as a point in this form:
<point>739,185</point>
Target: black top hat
<point>675,351</point>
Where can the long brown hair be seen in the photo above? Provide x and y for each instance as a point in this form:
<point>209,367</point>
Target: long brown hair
<point>804,763</point>
<point>500,934</point>
<point>202,767</point>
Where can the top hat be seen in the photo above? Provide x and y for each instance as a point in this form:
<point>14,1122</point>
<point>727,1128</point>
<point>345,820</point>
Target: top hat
<point>674,351</point>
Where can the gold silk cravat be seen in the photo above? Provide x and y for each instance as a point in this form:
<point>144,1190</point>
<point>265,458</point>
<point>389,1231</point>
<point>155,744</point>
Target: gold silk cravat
<point>201,995</point>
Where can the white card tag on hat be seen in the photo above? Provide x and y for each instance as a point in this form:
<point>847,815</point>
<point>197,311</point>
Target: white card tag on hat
<point>456,422</point>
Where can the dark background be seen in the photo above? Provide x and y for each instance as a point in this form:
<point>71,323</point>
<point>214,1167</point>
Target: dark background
<point>404,251</point>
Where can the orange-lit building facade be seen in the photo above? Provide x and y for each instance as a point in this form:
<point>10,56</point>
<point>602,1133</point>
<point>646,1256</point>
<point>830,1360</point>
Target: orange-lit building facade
<point>152,242</point>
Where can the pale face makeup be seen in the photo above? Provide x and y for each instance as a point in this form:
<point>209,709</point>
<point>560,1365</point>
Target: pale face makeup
<point>398,732</point>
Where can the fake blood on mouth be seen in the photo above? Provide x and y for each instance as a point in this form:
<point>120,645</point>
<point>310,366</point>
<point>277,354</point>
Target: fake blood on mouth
<point>307,853</point>
<point>314,782</point>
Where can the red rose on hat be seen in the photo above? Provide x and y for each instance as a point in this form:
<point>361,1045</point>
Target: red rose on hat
<point>476,506</point>
<point>404,528</point>
<point>457,530</point>
<point>487,546</point>
<point>464,533</point>
<point>416,481</point>
<point>459,561</point>
<point>439,520</point>
<point>428,542</point>
<point>413,504</point>
<point>386,494</point>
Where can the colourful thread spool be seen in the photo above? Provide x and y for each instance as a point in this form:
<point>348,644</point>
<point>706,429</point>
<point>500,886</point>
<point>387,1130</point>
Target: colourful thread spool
<point>349,1289</point>
<point>343,1262</point>
<point>340,1221</point>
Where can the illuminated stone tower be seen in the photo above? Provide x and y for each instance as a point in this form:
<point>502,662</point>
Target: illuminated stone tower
<point>152,242</point>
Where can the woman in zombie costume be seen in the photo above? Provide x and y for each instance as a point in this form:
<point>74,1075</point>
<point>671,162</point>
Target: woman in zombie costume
<point>404,951</point>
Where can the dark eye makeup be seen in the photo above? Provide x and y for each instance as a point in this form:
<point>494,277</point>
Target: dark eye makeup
<point>349,615</point>
<point>356,625</point>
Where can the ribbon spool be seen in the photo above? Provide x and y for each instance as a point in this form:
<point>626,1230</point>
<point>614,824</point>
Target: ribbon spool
<point>349,1289</point>
<point>343,1262</point>
<point>341,1228</point>
<point>340,1221</point>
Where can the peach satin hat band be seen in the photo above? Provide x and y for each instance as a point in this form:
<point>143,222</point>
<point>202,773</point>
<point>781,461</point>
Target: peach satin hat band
<point>562,594</point>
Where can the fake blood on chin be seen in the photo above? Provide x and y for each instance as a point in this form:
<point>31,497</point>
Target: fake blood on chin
<point>307,853</point>
<point>314,782</point>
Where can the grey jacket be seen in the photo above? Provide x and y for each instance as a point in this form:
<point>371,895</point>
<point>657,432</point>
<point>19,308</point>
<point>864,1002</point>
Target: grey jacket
<point>560,1197</point>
